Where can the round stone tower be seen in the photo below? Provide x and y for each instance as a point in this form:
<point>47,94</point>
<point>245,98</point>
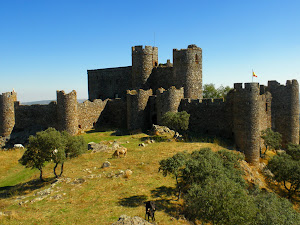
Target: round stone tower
<point>293,123</point>
<point>285,110</point>
<point>136,109</point>
<point>246,118</point>
<point>67,112</point>
<point>143,61</point>
<point>7,113</point>
<point>187,71</point>
<point>168,100</point>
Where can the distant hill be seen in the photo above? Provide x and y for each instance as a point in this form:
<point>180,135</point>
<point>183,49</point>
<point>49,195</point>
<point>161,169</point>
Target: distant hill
<point>46,102</point>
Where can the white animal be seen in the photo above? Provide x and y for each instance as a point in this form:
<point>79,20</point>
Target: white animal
<point>20,146</point>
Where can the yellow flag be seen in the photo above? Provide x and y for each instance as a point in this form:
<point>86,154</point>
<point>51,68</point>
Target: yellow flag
<point>254,75</point>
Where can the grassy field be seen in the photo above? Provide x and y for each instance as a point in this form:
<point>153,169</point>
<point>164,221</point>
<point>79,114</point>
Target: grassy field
<point>102,198</point>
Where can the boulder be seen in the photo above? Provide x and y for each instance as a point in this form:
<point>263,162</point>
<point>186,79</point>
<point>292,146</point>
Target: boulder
<point>127,220</point>
<point>106,164</point>
<point>95,147</point>
<point>162,131</point>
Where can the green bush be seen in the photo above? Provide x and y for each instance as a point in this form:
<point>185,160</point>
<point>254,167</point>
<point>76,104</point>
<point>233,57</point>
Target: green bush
<point>178,121</point>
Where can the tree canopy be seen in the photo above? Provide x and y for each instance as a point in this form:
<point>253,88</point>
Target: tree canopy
<point>51,145</point>
<point>215,192</point>
<point>178,121</point>
<point>210,91</point>
<point>272,140</point>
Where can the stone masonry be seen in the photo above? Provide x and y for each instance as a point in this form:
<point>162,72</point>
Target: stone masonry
<point>123,98</point>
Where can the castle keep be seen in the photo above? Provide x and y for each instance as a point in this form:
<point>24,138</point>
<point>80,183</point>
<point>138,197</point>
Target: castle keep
<point>137,96</point>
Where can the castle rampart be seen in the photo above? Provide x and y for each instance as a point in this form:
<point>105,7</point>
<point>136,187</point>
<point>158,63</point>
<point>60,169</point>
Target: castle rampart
<point>7,113</point>
<point>67,111</point>
<point>187,69</point>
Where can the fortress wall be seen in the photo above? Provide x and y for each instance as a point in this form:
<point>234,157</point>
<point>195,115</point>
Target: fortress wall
<point>161,76</point>
<point>168,100</point>
<point>36,115</point>
<point>114,114</point>
<point>137,111</point>
<point>7,113</point>
<point>285,110</point>
<point>89,113</point>
<point>109,83</point>
<point>208,116</point>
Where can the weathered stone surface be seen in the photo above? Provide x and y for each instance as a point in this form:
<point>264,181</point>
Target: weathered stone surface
<point>127,220</point>
<point>95,147</point>
<point>106,164</point>
<point>162,131</point>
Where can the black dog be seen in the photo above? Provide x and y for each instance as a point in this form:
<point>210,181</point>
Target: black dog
<point>150,210</point>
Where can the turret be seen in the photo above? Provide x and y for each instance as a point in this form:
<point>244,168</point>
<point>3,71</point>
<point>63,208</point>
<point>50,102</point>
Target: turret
<point>168,100</point>
<point>246,118</point>
<point>143,61</point>
<point>7,113</point>
<point>67,112</point>
<point>136,109</point>
<point>285,110</point>
<point>187,71</point>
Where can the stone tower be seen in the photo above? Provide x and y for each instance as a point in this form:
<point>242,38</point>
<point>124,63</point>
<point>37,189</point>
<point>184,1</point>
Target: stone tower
<point>67,112</point>
<point>143,61</point>
<point>168,100</point>
<point>187,71</point>
<point>136,108</point>
<point>7,113</point>
<point>285,110</point>
<point>246,118</point>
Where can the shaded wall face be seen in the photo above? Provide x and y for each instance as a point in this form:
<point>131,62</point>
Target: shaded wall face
<point>89,113</point>
<point>7,114</point>
<point>285,112</point>
<point>208,117</point>
<point>109,83</point>
<point>36,115</point>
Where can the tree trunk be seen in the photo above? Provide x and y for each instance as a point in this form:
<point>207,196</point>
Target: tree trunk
<point>54,170</point>
<point>61,169</point>
<point>41,174</point>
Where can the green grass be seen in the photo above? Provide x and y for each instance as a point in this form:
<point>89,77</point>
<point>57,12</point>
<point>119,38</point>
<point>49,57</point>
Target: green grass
<point>98,200</point>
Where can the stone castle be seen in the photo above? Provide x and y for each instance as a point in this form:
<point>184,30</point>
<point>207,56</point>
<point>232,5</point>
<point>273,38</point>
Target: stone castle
<point>137,96</point>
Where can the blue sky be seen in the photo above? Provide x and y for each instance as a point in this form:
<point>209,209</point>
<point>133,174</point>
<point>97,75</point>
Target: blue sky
<point>49,45</point>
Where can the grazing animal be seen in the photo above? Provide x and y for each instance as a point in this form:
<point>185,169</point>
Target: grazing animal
<point>120,151</point>
<point>150,210</point>
<point>20,146</point>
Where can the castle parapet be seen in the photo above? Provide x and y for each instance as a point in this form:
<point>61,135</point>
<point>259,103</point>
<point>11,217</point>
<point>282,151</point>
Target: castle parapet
<point>67,112</point>
<point>7,113</point>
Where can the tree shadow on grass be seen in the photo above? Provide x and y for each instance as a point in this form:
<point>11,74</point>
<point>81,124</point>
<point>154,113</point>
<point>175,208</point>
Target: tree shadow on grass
<point>24,188</point>
<point>133,201</point>
<point>164,202</point>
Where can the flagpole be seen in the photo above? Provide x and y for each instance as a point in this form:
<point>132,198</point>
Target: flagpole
<point>252,75</point>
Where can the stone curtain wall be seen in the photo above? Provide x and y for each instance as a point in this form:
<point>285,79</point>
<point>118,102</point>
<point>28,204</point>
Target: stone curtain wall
<point>285,110</point>
<point>208,116</point>
<point>109,83</point>
<point>36,115</point>
<point>161,76</point>
<point>89,113</point>
<point>114,115</point>
<point>7,113</point>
